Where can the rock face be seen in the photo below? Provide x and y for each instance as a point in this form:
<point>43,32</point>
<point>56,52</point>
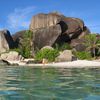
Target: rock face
<point>44,20</point>
<point>11,56</point>
<point>17,37</point>
<point>64,56</point>
<point>71,26</point>
<point>46,36</point>
<point>6,41</point>
<point>52,28</point>
<point>84,32</point>
<point>44,25</point>
<point>68,25</point>
<point>78,44</point>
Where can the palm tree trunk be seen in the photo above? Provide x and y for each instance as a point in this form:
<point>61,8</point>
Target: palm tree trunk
<point>94,52</point>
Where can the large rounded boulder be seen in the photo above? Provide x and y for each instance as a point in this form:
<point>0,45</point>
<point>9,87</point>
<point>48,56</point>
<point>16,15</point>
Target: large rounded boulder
<point>53,28</point>
<point>46,36</point>
<point>71,28</point>
<point>11,56</point>
<point>6,41</point>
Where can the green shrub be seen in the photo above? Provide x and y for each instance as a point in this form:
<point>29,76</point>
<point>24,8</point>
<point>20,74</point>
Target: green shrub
<point>61,47</point>
<point>47,54</point>
<point>15,49</point>
<point>25,51</point>
<point>83,55</point>
<point>26,46</point>
<point>92,43</point>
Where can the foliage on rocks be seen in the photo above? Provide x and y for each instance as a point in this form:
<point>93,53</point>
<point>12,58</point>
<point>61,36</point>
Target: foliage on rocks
<point>26,48</point>
<point>62,47</point>
<point>48,54</point>
<point>92,43</point>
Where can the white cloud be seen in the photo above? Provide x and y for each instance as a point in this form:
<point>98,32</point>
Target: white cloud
<point>20,18</point>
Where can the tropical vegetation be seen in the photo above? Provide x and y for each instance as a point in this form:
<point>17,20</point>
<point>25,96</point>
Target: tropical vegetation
<point>61,47</point>
<point>25,48</point>
<point>49,54</point>
<point>83,55</point>
<point>92,43</point>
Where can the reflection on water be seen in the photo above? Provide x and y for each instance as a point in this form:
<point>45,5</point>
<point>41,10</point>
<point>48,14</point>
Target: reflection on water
<point>26,83</point>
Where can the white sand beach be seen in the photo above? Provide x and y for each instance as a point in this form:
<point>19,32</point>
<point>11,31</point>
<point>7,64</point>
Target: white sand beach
<point>73,64</point>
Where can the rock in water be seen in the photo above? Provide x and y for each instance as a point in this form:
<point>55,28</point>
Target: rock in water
<point>6,41</point>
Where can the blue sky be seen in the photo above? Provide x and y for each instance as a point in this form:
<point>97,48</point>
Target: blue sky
<point>15,15</point>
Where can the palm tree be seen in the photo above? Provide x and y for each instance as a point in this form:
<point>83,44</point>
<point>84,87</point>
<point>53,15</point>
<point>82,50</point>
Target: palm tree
<point>92,42</point>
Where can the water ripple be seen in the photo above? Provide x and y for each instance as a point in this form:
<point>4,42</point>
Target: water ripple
<point>27,83</point>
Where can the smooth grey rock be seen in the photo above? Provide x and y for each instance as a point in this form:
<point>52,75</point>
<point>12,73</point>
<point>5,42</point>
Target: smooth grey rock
<point>44,20</point>
<point>46,36</point>
<point>64,56</point>
<point>11,56</point>
<point>47,47</point>
<point>6,41</point>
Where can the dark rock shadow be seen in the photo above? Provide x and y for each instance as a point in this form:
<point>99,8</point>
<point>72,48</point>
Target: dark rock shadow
<point>63,38</point>
<point>63,25</point>
<point>9,39</point>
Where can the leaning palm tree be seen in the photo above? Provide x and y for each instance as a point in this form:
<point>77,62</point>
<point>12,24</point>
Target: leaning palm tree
<point>92,42</point>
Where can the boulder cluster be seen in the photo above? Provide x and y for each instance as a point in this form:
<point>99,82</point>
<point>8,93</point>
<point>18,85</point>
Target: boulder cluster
<point>48,30</point>
<point>52,28</point>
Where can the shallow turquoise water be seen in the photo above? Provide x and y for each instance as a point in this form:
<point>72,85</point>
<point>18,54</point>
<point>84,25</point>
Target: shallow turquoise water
<point>27,83</point>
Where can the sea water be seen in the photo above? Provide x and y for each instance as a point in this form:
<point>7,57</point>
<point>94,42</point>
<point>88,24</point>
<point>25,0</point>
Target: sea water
<point>29,83</point>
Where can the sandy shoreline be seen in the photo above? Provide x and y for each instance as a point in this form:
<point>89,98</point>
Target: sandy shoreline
<point>73,64</point>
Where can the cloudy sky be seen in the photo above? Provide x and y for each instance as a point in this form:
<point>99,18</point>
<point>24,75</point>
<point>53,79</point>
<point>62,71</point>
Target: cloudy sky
<point>15,15</point>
